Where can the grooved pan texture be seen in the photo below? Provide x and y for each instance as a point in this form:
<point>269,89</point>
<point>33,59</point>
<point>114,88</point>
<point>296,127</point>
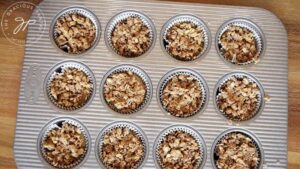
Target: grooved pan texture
<point>270,127</point>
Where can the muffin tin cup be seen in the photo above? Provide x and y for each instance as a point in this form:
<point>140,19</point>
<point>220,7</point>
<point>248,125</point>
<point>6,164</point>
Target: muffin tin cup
<point>137,71</point>
<point>245,132</point>
<point>186,129</point>
<point>121,17</point>
<point>58,68</point>
<point>83,12</point>
<point>251,78</point>
<point>185,18</point>
<point>122,124</point>
<point>244,23</point>
<point>183,71</point>
<point>57,123</point>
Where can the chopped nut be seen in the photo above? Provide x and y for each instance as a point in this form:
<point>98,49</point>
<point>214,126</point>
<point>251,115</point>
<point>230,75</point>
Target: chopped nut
<point>185,41</point>
<point>238,98</point>
<point>238,45</point>
<point>236,150</point>
<point>131,37</point>
<point>75,33</point>
<point>179,150</point>
<point>124,92</point>
<point>64,146</point>
<point>182,95</point>
<point>122,148</point>
<point>71,88</point>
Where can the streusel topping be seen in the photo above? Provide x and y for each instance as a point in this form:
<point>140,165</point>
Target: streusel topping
<point>238,151</point>
<point>71,88</point>
<point>131,37</point>
<point>64,146</point>
<point>185,41</point>
<point>182,95</point>
<point>124,91</point>
<point>179,150</point>
<point>122,148</point>
<point>76,33</point>
<point>238,45</point>
<point>238,98</point>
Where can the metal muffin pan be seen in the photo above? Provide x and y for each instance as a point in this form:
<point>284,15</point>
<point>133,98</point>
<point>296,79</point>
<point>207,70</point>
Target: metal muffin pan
<point>270,127</point>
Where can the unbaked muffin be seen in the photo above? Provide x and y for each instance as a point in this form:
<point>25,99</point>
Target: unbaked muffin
<point>74,33</point>
<point>182,95</point>
<point>179,149</point>
<point>64,146</point>
<point>238,98</point>
<point>185,40</point>
<point>122,148</point>
<point>236,150</point>
<point>124,92</point>
<point>70,88</point>
<point>131,37</point>
<point>238,45</point>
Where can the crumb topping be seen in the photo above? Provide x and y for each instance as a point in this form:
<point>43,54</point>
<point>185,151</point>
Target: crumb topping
<point>75,33</point>
<point>125,91</point>
<point>238,45</point>
<point>238,98</point>
<point>64,146</point>
<point>238,151</point>
<point>179,150</point>
<point>122,148</point>
<point>185,41</point>
<point>71,88</point>
<point>131,37</point>
<point>182,95</point>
